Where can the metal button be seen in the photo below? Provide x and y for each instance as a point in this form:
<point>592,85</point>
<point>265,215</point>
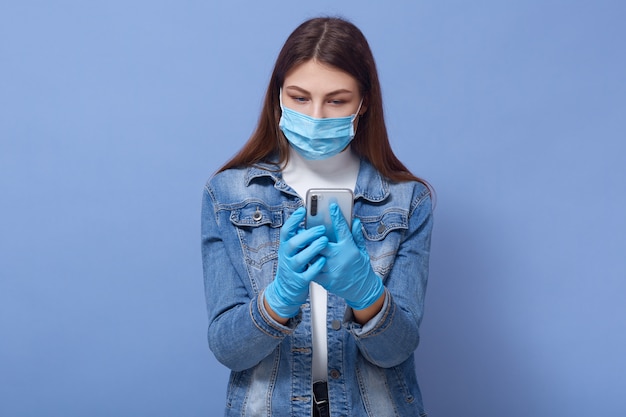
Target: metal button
<point>257,216</point>
<point>334,374</point>
<point>381,227</point>
<point>336,325</point>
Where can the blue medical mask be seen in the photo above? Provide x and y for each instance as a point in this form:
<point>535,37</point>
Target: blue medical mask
<point>315,138</point>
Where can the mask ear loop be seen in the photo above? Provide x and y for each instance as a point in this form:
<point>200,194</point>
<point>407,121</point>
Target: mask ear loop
<point>280,98</point>
<point>358,110</point>
<point>356,115</point>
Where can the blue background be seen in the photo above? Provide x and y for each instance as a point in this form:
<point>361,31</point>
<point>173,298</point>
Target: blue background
<point>113,114</point>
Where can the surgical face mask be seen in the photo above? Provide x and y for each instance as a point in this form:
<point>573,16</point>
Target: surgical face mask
<point>316,138</point>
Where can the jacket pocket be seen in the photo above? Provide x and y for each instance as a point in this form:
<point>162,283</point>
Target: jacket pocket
<point>383,235</point>
<point>258,228</point>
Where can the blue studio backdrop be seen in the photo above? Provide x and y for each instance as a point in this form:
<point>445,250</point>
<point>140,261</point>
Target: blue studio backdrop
<point>113,115</point>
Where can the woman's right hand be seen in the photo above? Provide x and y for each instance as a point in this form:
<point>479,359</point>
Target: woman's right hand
<point>298,265</point>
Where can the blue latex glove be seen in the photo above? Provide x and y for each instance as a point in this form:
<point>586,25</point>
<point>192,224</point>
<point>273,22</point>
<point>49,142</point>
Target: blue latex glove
<point>348,272</point>
<point>296,265</point>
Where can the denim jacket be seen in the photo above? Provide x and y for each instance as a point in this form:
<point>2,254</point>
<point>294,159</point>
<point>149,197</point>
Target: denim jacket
<point>371,368</point>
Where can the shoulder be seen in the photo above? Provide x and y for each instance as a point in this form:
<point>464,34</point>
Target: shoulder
<point>373,186</point>
<point>227,178</point>
<point>414,195</point>
<point>412,198</point>
<point>236,185</point>
<point>416,189</point>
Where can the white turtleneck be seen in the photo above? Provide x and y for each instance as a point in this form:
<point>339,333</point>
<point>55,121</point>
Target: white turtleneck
<point>339,171</point>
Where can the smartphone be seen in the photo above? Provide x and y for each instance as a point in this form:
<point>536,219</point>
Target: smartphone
<point>318,201</point>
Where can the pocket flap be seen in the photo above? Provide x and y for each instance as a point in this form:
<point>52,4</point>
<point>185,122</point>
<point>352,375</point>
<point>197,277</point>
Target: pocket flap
<point>376,228</point>
<point>256,214</point>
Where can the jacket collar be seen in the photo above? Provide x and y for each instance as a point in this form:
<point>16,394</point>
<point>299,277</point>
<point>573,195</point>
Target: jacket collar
<point>370,185</point>
<point>263,169</point>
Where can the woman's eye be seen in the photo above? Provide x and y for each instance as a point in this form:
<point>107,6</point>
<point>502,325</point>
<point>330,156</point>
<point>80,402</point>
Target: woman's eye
<point>300,99</point>
<point>336,102</point>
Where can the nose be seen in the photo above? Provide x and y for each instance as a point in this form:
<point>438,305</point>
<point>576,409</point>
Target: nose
<point>318,111</point>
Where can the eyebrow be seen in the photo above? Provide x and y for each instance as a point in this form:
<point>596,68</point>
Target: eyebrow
<point>332,93</point>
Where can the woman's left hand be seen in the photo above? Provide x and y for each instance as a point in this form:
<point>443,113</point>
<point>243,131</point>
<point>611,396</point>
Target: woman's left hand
<point>348,272</point>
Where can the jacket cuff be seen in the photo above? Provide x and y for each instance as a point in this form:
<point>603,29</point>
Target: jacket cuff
<point>264,322</point>
<point>377,324</point>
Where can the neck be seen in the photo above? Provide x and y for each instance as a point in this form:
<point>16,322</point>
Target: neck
<point>340,171</point>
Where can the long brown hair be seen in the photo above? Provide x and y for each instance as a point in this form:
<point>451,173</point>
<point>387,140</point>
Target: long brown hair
<point>340,44</point>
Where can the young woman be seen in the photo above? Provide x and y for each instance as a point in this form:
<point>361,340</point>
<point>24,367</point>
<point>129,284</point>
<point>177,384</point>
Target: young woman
<point>310,326</point>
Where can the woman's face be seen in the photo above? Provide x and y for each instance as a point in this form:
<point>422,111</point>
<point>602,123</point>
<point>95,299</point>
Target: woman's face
<point>321,91</point>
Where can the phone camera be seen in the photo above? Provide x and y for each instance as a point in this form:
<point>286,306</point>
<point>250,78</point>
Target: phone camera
<point>313,208</point>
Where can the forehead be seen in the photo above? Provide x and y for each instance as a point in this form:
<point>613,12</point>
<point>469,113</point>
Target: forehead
<point>316,77</point>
